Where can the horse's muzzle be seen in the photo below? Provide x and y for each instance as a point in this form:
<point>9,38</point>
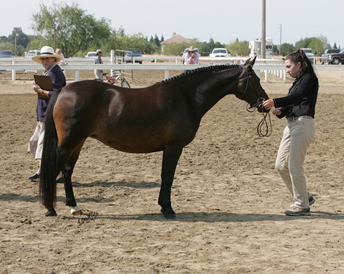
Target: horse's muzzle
<point>259,105</point>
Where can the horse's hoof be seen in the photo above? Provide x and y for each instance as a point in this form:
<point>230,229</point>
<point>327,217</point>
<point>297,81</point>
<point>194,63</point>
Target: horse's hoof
<point>76,210</point>
<point>169,214</point>
<point>50,213</point>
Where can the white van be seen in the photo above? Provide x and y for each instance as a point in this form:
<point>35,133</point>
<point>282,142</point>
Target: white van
<point>32,53</point>
<point>91,55</point>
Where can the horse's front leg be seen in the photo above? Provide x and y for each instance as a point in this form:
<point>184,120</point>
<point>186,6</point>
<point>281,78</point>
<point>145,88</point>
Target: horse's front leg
<point>169,163</point>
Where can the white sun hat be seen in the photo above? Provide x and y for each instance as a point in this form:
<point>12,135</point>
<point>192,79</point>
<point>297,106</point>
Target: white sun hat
<point>47,52</point>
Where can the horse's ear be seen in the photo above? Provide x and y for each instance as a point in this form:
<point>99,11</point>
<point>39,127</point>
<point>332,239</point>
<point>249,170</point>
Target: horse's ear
<point>249,63</point>
<point>253,61</point>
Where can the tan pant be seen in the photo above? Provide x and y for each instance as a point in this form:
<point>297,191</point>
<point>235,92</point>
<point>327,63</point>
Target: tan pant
<point>292,151</point>
<point>98,74</point>
<point>36,141</point>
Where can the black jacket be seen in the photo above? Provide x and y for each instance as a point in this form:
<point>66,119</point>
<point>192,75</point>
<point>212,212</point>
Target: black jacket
<point>301,98</point>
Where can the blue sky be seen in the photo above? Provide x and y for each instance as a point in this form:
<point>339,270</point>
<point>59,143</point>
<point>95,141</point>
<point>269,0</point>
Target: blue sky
<point>221,20</point>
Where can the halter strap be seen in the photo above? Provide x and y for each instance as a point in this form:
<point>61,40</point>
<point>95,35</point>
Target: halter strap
<point>263,124</point>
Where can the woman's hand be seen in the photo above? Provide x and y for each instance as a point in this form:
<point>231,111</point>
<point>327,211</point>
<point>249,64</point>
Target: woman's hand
<point>37,88</point>
<point>43,94</point>
<point>277,111</point>
<point>268,104</point>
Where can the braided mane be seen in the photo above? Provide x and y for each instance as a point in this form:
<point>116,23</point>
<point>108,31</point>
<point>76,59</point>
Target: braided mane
<point>194,71</point>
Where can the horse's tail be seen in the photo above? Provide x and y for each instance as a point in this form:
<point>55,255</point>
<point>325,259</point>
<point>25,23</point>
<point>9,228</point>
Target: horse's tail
<point>50,158</point>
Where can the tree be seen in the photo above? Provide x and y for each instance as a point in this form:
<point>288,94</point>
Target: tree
<point>19,39</point>
<point>120,41</point>
<point>174,49</point>
<point>317,44</point>
<point>275,49</point>
<point>286,49</point>
<point>207,48</point>
<point>6,46</point>
<point>157,41</point>
<point>69,28</point>
<point>3,39</point>
<point>239,48</point>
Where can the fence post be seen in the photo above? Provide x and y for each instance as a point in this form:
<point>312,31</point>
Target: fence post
<point>167,73</point>
<point>258,73</point>
<point>112,58</point>
<point>13,72</point>
<point>76,75</point>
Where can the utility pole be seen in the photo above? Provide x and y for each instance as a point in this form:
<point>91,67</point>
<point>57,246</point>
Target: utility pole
<point>54,37</point>
<point>16,30</point>
<point>263,44</point>
<point>280,45</point>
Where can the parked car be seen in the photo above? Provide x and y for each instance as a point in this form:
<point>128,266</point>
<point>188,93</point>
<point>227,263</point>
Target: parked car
<point>132,53</point>
<point>6,54</point>
<point>219,52</point>
<point>186,50</point>
<point>91,55</point>
<point>310,54</point>
<point>326,55</point>
<point>336,58</point>
<point>32,53</point>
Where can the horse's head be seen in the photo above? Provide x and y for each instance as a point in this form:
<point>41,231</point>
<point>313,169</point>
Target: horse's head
<point>249,88</point>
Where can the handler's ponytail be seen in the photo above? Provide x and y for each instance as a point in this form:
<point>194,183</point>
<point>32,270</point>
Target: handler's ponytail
<point>300,56</point>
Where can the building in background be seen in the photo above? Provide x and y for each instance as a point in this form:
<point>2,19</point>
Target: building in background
<point>176,38</point>
<point>255,46</point>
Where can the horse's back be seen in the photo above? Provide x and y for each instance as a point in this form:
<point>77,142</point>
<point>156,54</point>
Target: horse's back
<point>131,120</point>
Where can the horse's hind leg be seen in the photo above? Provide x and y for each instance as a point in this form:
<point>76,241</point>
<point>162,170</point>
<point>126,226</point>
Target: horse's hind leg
<point>169,164</point>
<point>67,175</point>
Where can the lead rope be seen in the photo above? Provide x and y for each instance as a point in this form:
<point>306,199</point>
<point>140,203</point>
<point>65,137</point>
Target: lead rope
<point>264,123</point>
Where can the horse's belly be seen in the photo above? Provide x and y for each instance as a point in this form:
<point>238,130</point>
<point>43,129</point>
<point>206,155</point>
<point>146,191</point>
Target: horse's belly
<point>143,135</point>
<point>132,144</point>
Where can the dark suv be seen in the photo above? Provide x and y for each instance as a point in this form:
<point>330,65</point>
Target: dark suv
<point>6,54</point>
<point>325,56</point>
<point>336,58</point>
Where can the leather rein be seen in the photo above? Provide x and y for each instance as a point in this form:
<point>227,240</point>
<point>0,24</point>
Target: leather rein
<point>263,127</point>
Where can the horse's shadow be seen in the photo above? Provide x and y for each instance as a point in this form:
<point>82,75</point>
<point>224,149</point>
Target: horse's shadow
<point>213,217</point>
<point>140,185</point>
<point>34,199</point>
<point>210,217</point>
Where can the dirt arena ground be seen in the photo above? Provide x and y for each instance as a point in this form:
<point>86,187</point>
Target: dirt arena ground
<point>228,198</point>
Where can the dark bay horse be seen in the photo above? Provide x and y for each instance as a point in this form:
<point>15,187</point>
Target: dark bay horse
<point>163,117</point>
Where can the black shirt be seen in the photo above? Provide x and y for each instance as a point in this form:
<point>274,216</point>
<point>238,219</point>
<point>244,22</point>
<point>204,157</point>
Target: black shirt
<point>301,98</point>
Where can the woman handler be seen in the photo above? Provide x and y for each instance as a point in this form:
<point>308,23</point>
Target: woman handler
<point>299,109</point>
<point>49,59</point>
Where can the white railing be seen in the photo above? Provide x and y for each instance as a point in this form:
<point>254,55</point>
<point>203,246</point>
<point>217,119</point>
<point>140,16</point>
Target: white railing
<point>272,66</point>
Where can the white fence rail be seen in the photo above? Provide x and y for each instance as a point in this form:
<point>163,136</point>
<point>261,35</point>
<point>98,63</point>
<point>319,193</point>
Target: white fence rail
<point>268,66</point>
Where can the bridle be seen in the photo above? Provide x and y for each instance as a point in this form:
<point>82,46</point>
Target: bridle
<point>259,104</point>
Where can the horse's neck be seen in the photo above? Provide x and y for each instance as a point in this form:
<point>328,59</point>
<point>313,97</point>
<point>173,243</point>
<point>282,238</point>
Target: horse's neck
<point>208,93</point>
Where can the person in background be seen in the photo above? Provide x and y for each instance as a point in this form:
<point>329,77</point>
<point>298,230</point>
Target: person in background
<point>299,109</point>
<point>99,72</point>
<point>191,57</point>
<point>62,62</point>
<point>49,61</point>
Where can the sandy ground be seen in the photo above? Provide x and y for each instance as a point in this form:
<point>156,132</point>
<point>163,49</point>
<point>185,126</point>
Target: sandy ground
<point>228,198</point>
